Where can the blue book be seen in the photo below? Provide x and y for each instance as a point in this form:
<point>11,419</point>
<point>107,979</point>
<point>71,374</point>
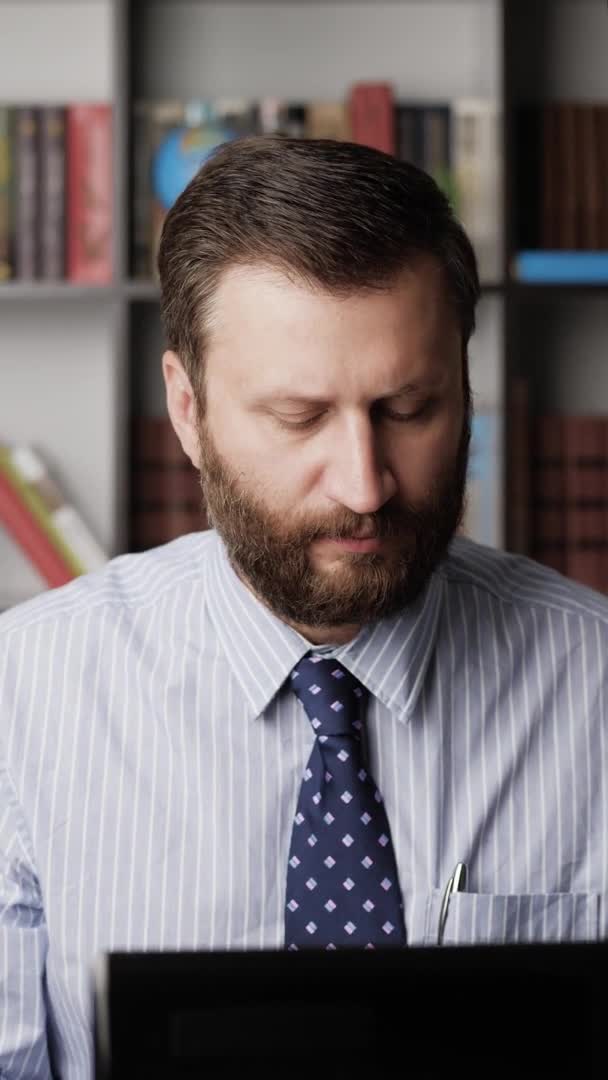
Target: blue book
<point>572,267</point>
<point>484,507</point>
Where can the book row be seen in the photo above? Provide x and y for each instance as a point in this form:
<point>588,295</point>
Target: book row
<point>569,496</point>
<point>457,142</point>
<point>56,193</point>
<point>561,196</point>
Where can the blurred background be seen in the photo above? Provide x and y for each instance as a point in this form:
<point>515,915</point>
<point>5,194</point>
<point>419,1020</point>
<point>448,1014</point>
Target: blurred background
<point>108,107</point>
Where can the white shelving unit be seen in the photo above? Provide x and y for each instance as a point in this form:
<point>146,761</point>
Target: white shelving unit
<point>75,362</point>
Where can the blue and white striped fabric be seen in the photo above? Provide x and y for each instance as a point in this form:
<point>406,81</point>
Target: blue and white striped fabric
<point>152,753</point>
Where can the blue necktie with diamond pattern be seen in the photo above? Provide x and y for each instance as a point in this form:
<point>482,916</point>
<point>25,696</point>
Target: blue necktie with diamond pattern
<point>342,884</point>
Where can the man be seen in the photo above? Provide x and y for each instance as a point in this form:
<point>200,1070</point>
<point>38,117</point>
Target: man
<point>288,730</point>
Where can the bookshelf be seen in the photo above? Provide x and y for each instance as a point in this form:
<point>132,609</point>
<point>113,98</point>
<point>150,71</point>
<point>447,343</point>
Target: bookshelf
<point>79,361</point>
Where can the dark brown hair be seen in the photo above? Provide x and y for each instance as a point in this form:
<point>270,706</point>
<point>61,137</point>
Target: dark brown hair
<point>336,215</point>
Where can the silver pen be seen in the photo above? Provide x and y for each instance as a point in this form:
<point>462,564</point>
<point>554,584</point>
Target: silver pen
<point>457,883</point>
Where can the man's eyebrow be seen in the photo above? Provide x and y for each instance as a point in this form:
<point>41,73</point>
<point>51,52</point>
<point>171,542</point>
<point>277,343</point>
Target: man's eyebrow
<point>408,389</point>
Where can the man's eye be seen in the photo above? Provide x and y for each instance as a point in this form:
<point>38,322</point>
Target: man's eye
<point>391,414</point>
<point>297,424</point>
<point>419,413</point>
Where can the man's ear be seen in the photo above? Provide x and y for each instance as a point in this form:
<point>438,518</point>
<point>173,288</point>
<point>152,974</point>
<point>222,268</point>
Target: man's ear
<point>181,405</point>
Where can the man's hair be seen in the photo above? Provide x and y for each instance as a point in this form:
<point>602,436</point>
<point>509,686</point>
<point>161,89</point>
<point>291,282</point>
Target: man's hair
<point>334,215</point>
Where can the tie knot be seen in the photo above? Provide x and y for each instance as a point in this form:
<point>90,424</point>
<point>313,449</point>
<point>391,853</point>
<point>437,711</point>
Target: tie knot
<point>332,697</point>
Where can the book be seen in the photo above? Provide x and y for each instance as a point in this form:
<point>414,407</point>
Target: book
<point>49,501</point>
<point>51,193</point>
<point>477,169</point>
<point>601,115</point>
<point>591,178</point>
<point>436,120</point>
<point>372,115</point>
<point>6,194</point>
<point>423,134</point>
<point>25,192</point>
<point>568,187</point>
<point>30,536</point>
<point>90,197</point>
<point>328,120</point>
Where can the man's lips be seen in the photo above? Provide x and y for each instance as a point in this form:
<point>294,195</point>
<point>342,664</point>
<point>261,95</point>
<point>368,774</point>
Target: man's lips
<point>353,543</point>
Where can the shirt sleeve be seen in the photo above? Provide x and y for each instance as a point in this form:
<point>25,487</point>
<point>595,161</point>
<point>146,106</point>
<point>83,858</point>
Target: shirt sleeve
<point>23,946</point>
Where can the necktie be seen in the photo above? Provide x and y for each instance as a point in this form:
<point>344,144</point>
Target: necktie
<point>342,884</point>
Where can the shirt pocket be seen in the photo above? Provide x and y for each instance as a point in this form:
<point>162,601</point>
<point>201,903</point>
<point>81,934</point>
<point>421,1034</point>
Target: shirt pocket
<point>493,919</point>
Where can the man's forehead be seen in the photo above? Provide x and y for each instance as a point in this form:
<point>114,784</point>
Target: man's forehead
<point>264,297</point>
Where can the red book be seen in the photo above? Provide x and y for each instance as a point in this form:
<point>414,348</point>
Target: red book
<point>30,537</point>
<point>372,115</point>
<point>89,205</point>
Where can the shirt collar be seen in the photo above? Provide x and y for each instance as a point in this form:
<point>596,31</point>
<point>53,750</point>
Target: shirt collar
<point>390,657</point>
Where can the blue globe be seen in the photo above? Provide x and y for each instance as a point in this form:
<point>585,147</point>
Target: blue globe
<point>180,155</point>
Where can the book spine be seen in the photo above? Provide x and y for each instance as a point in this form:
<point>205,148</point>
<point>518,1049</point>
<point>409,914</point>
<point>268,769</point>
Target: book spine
<point>35,504</point>
<point>52,193</point>
<point>590,164</point>
<point>601,112</point>
<point>294,120</point>
<point>478,177</point>
<point>6,167</point>
<point>328,120</point>
<point>89,205</point>
<point>30,536</point>
<point>408,132</point>
<point>25,189</point>
<point>372,115</point>
<point>568,173</point>
<point>437,147</point>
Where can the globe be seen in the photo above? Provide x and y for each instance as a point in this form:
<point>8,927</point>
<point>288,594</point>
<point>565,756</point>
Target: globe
<point>180,155</point>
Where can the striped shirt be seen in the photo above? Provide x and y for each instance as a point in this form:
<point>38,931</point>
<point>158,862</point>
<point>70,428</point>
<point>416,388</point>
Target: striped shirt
<point>152,755</point>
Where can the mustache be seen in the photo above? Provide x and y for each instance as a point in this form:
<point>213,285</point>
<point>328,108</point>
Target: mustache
<point>388,523</point>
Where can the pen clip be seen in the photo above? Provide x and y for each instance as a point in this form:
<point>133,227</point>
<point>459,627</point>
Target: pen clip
<point>456,883</point>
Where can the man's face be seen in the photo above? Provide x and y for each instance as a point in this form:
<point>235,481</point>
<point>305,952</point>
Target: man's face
<point>332,418</point>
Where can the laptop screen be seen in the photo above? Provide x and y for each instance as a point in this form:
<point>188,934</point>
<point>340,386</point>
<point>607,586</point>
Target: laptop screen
<point>491,1011</point>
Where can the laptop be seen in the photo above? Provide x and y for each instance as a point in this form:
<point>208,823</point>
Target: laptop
<point>459,1011</point>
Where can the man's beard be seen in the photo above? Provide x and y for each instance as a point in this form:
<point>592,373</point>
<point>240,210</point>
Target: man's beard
<point>272,553</point>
